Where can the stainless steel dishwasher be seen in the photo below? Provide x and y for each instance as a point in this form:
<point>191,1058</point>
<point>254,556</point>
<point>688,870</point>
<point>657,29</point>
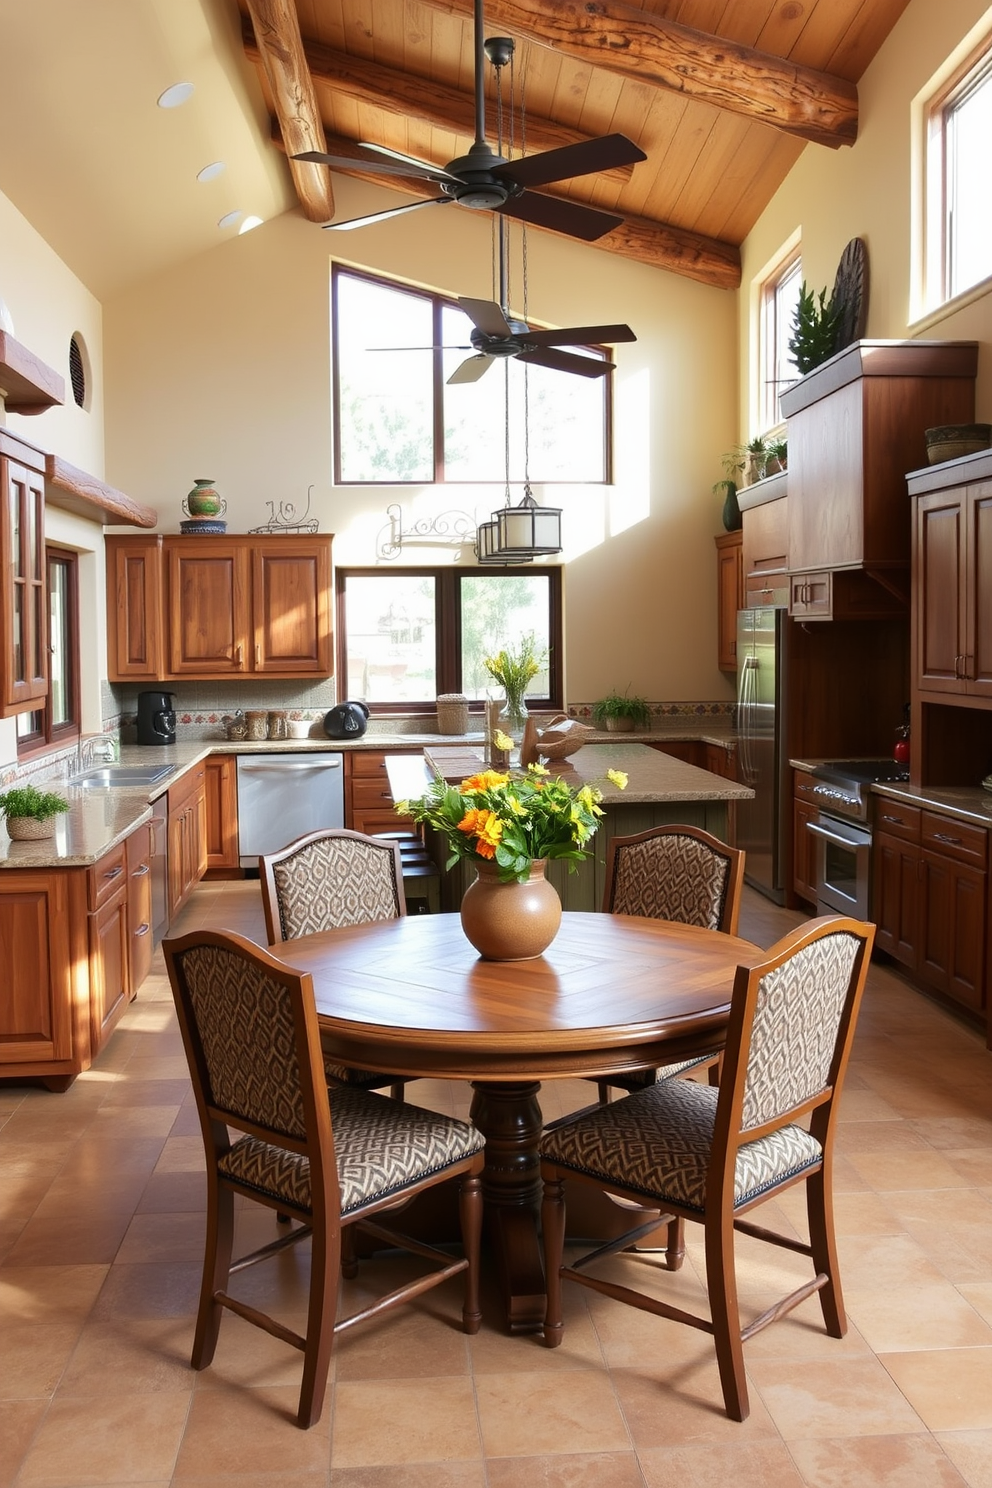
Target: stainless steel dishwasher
<point>282,796</point>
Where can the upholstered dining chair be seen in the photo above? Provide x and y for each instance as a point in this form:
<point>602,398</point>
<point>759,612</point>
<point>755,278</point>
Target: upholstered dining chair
<point>325,881</point>
<point>711,1154</point>
<point>329,1160</point>
<point>673,873</point>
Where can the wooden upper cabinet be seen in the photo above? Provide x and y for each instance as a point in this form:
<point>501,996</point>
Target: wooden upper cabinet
<point>24,648</point>
<point>207,607</point>
<point>291,586</point>
<point>953,590</point>
<point>210,607</point>
<point>730,597</point>
<point>856,426</point>
<point>135,644</point>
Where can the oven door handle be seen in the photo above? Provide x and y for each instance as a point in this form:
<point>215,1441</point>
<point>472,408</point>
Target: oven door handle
<point>861,840</point>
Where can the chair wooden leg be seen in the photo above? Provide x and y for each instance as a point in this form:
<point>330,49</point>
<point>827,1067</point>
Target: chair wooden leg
<point>325,1260</point>
<point>721,1284</point>
<point>396,1090</point>
<point>470,1212</point>
<point>553,1227</point>
<point>820,1216</point>
<point>349,1260</point>
<point>715,1071</point>
<point>603,1092</point>
<point>675,1249</point>
<point>217,1254</point>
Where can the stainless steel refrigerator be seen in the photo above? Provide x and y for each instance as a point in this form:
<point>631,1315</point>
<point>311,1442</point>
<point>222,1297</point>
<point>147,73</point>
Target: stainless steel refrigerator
<point>762,824</point>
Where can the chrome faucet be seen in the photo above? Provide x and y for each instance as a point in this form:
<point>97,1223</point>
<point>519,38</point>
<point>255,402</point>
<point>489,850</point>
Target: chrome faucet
<point>98,748</point>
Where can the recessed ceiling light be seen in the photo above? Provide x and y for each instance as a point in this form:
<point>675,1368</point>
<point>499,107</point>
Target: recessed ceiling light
<point>174,96</point>
<point>229,219</point>
<point>212,171</point>
<point>248,224</point>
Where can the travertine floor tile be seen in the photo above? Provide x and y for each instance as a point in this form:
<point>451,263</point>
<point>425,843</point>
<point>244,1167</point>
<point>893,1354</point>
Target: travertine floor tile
<point>896,1461</point>
<point>842,1397</point>
<point>388,1422</point>
<point>114,1439</point>
<point>754,1465</point>
<point>971,1453</point>
<point>525,1414</point>
<point>951,1389</point>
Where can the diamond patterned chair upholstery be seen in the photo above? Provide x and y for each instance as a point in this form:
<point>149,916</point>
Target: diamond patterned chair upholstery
<point>326,881</point>
<point>328,1160</point>
<point>710,1154</point>
<point>673,873</point>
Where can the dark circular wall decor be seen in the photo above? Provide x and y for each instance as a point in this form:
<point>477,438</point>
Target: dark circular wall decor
<point>850,294</point>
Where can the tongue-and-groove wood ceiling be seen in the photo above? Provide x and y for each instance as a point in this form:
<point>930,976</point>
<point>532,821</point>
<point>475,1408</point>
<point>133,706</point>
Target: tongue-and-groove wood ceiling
<point>722,96</point>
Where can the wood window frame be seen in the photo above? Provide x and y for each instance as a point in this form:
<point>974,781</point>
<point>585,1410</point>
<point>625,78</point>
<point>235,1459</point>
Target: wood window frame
<point>447,610</point>
<point>439,303</point>
<point>973,72</point>
<point>48,735</point>
<point>769,384</point>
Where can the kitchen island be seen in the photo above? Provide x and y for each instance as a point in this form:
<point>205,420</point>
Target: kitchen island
<point>660,790</point>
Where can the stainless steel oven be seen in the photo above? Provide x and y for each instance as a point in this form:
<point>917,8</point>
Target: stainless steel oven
<point>842,833</point>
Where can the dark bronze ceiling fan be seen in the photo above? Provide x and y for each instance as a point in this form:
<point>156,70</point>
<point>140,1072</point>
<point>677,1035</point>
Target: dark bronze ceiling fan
<point>483,180</point>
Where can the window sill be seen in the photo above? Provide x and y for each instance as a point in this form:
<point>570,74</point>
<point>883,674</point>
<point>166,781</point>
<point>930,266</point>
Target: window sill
<point>941,312</point>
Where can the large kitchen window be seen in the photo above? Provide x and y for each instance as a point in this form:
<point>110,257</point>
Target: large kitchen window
<point>406,635</point>
<point>396,419</point>
<point>779,299</point>
<point>58,721</point>
<point>958,237</point>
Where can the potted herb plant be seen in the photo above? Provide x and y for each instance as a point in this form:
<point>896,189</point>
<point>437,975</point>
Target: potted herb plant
<point>778,456</point>
<point>620,712</point>
<point>31,813</point>
<point>814,329</point>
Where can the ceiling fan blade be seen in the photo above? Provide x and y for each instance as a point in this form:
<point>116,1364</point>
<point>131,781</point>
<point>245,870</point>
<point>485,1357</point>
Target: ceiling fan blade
<point>471,369</point>
<point>413,161</point>
<point>431,201</point>
<point>419,170</point>
<point>582,336</point>
<point>566,361</point>
<point>586,158</point>
<point>578,221</point>
<point>420,348</point>
<point>486,315</point>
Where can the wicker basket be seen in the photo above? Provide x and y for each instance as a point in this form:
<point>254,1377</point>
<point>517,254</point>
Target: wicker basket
<point>29,828</point>
<point>452,713</point>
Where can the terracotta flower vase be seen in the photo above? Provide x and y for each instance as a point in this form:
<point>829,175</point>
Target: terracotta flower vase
<point>510,921</point>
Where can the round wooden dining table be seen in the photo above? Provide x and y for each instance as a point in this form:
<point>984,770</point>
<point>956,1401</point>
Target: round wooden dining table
<point>612,994</point>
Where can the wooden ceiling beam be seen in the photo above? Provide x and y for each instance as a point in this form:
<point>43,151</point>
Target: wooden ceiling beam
<point>280,50</point>
<point>635,44</point>
<point>657,244</point>
<point>401,93</point>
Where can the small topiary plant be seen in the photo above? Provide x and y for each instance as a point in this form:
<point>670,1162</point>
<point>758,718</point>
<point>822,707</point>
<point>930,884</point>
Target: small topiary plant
<point>28,801</point>
<point>621,705</point>
<point>814,329</point>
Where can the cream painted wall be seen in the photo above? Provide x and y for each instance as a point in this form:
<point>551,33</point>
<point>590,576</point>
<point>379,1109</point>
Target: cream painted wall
<point>221,368</point>
<point>48,304</point>
<point>866,191</point>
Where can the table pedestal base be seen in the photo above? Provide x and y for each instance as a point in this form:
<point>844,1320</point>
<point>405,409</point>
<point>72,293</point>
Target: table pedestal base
<point>509,1117</point>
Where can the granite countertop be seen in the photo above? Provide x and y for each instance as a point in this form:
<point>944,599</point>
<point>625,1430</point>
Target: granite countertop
<point>98,820</point>
<point>652,775</point>
<point>968,802</point>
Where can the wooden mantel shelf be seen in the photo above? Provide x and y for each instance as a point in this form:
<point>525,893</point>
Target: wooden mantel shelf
<point>88,497</point>
<point>27,384</point>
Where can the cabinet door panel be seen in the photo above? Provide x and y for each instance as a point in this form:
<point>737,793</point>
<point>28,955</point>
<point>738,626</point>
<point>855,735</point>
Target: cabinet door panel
<point>939,637</point>
<point>804,872</point>
<point>221,812</point>
<point>208,609</point>
<point>24,660</point>
<point>108,966</point>
<point>134,608</point>
<point>979,593</point>
<point>36,1006</point>
<point>139,907</point>
<point>895,897</point>
<point>952,955</point>
<point>292,607</point>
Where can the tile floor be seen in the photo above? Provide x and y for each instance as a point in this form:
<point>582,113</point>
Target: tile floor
<point>101,1218</point>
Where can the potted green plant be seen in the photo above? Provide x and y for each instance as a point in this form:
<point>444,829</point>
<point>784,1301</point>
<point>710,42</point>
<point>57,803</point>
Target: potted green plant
<point>814,329</point>
<point>31,813</point>
<point>757,458</point>
<point>620,712</point>
<point>778,456</point>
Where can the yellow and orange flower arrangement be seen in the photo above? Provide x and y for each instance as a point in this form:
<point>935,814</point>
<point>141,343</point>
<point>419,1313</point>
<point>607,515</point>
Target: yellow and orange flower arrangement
<point>512,818</point>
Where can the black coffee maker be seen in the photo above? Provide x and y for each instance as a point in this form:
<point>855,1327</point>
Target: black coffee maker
<point>156,718</point>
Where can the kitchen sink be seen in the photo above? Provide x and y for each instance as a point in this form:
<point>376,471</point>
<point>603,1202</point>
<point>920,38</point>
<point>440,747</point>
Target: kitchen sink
<point>106,775</point>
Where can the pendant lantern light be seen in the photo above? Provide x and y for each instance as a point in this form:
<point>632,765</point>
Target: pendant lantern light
<point>527,530</point>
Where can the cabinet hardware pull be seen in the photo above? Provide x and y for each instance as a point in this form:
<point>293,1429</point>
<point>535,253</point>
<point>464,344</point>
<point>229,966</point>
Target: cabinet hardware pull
<point>969,666</point>
<point>258,654</point>
<point>141,930</point>
<point>113,873</point>
<point>944,837</point>
<point>241,655</point>
<point>897,819</point>
<point>957,667</point>
<point>140,872</point>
